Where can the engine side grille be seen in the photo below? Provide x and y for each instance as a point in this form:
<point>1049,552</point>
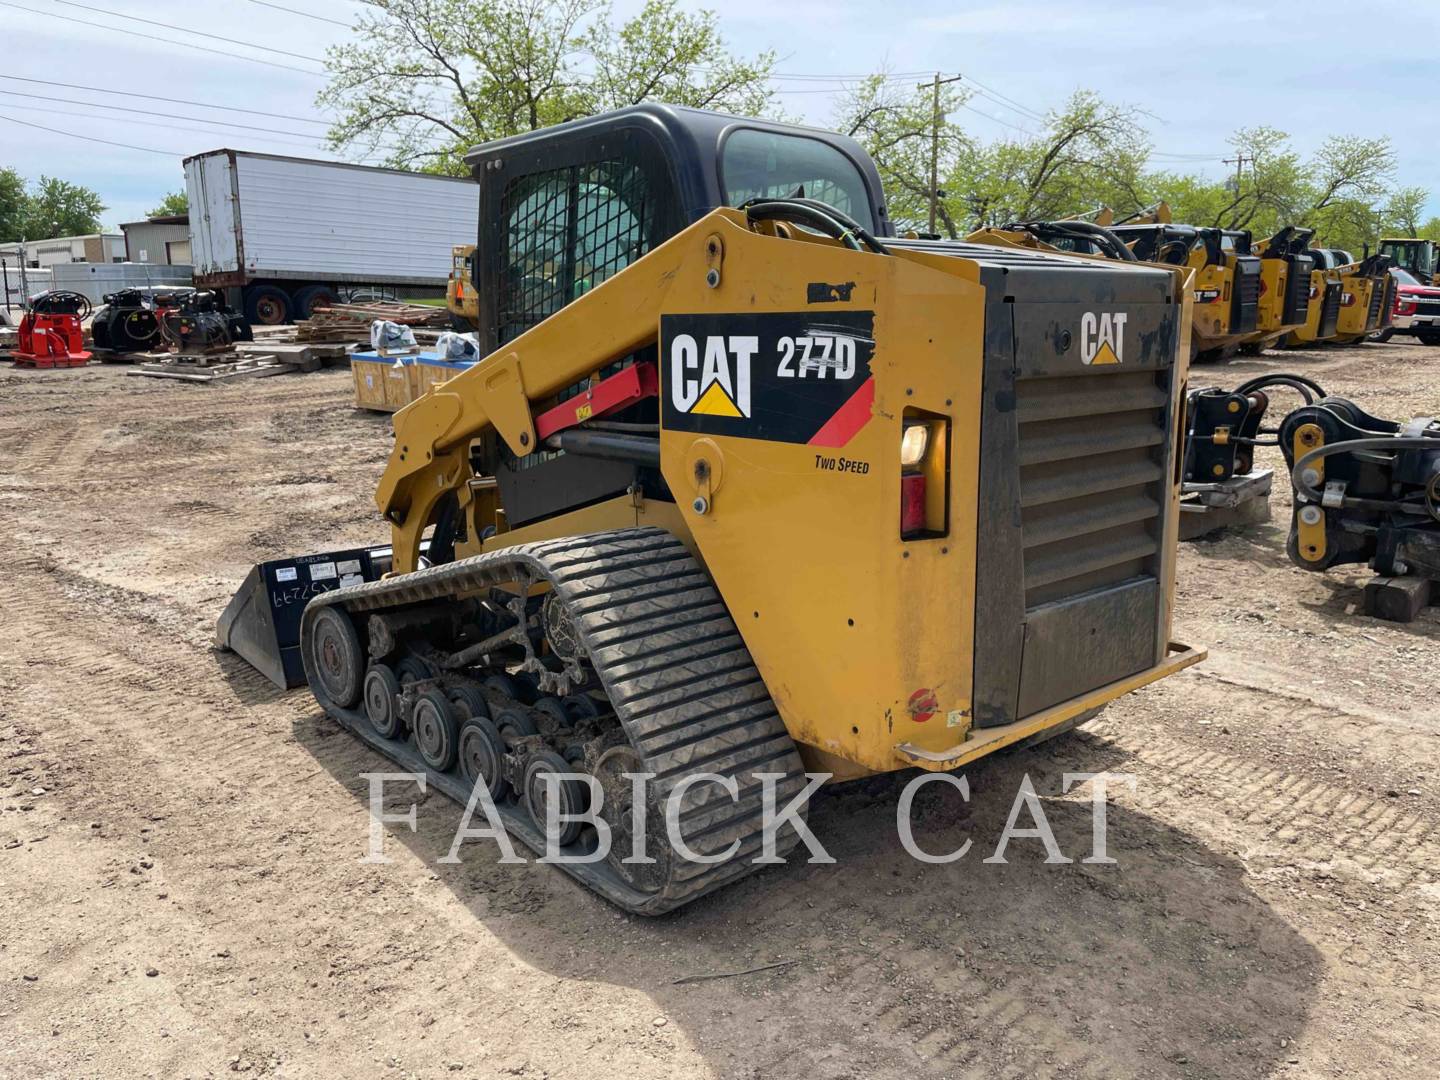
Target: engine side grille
<point>1091,479</point>
<point>1378,292</point>
<point>1245,309</point>
<point>1330,311</point>
<point>1297,289</point>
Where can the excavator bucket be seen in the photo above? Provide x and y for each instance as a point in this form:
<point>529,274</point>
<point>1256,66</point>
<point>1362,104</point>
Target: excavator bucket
<point>262,620</point>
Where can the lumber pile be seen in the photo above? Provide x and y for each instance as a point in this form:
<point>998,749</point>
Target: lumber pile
<point>351,322</point>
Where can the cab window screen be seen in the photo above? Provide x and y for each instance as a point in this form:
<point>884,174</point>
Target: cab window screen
<point>768,165</point>
<point>566,231</point>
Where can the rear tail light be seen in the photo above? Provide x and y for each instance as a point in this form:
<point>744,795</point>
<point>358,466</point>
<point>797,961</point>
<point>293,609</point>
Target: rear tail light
<point>912,505</point>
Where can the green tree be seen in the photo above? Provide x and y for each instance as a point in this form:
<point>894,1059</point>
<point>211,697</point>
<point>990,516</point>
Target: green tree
<point>177,202</point>
<point>59,208</point>
<point>895,122</point>
<point>12,204</point>
<point>1086,153</point>
<point>424,80</point>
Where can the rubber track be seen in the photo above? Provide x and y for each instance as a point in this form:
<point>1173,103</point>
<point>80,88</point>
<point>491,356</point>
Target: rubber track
<point>674,667</point>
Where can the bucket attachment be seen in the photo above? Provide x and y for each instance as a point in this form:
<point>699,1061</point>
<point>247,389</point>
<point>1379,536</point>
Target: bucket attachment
<point>262,620</point>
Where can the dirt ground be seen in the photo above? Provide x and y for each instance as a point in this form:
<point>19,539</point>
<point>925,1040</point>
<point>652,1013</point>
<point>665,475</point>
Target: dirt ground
<point>180,844</point>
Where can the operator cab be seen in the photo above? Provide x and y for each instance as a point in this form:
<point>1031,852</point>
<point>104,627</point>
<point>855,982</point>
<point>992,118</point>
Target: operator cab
<point>565,208</point>
<point>1416,256</point>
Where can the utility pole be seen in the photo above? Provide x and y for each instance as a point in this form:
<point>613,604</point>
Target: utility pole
<point>1239,161</point>
<point>935,119</point>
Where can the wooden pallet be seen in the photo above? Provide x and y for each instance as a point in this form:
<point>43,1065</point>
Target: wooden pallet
<point>215,368</point>
<point>304,356</point>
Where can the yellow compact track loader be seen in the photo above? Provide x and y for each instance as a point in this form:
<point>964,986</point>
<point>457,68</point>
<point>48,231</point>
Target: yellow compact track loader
<point>747,486</point>
<point>1322,310</point>
<point>1286,265</point>
<point>1227,279</point>
<point>1367,299</point>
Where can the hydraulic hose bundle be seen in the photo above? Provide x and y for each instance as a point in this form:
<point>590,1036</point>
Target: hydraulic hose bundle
<point>1224,426</point>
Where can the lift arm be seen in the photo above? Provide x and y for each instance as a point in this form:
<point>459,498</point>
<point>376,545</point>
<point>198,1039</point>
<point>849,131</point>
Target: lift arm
<point>432,435</point>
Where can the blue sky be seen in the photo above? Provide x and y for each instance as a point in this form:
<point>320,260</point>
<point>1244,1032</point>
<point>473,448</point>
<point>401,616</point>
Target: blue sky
<point>1199,71</point>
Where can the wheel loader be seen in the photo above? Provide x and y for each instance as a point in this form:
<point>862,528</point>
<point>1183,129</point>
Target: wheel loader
<point>747,487</point>
<point>1417,256</point>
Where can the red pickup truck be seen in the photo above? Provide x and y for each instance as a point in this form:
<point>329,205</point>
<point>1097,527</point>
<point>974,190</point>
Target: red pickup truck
<point>1417,308</point>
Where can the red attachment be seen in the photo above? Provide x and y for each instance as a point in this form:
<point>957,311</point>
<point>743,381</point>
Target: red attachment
<point>912,504</point>
<point>51,341</point>
<point>624,388</point>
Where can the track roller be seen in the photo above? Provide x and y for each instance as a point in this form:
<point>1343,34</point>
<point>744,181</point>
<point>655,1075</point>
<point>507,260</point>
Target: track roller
<point>382,702</point>
<point>469,702</point>
<point>437,729</point>
<point>567,792</point>
<point>482,756</point>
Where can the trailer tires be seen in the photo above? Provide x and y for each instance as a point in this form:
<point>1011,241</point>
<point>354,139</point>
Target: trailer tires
<point>267,305</point>
<point>311,297</point>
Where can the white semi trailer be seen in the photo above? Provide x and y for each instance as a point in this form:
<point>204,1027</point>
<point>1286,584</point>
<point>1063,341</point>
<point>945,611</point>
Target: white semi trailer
<point>292,233</point>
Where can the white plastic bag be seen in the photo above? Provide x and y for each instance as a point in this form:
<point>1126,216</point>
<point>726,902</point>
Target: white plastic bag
<point>390,337</point>
<point>452,346</point>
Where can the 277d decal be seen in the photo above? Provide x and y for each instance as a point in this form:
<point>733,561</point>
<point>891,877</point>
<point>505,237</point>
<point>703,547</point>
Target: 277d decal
<point>795,377</point>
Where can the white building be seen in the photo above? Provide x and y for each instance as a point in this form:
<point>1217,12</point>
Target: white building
<point>95,248</point>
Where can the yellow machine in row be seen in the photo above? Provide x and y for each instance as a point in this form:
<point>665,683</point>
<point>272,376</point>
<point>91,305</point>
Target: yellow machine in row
<point>748,486</point>
<point>461,298</point>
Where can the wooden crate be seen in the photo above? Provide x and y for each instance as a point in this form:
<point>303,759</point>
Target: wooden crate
<point>385,384</point>
<point>379,384</point>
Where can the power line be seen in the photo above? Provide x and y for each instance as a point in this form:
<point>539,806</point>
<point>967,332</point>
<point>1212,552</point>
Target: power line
<point>187,45</point>
<point>311,143</point>
<point>1024,109</point>
<point>303,14</point>
<point>88,138</point>
<point>997,120</point>
<point>187,29</point>
<point>161,97</point>
<point>155,112</point>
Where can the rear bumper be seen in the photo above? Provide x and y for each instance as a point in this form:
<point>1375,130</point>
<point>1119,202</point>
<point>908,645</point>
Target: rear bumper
<point>982,741</point>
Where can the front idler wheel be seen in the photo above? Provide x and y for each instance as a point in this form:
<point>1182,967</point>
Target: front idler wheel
<point>567,793</point>
<point>382,701</point>
<point>338,659</point>
<point>437,730</point>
